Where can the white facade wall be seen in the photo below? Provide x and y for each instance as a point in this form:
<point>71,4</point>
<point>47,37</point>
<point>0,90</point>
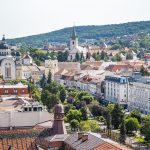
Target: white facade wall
<point>22,119</point>
<point>139,97</point>
<point>92,88</point>
<point>116,92</point>
<point>27,61</point>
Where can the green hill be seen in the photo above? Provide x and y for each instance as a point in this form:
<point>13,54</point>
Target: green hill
<point>86,32</point>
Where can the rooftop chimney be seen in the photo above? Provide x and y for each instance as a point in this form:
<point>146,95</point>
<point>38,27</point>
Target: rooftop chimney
<point>84,137</point>
<point>80,135</point>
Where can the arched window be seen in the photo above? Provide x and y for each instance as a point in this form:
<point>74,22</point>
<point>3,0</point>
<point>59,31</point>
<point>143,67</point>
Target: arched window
<point>8,70</point>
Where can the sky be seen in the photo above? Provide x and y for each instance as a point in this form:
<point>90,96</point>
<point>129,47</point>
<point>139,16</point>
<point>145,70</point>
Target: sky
<point>20,18</point>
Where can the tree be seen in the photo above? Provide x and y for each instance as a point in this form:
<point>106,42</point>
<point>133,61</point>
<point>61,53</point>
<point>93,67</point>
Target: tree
<point>88,55</point>
<point>122,137</point>
<point>84,113</point>
<point>129,57</point>
<point>118,57</point>
<point>54,87</point>
<point>136,114</point>
<point>63,95</point>
<point>49,78</point>
<point>145,129</point>
<point>74,114</point>
<point>117,115</point>
<point>84,126</point>
<point>74,124</point>
<point>110,107</point>
<point>87,98</point>
<point>144,72</point>
<point>108,122</point>
<point>97,110</point>
<point>89,125</point>
<point>43,81</point>
<point>146,119</point>
<point>77,57</point>
<point>94,125</point>
<point>49,99</point>
<point>132,124</point>
<point>83,93</point>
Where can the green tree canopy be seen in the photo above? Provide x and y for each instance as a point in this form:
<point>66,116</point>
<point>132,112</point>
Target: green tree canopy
<point>74,124</point>
<point>122,137</point>
<point>132,124</point>
<point>84,113</point>
<point>145,129</point>
<point>49,78</point>
<point>63,95</point>
<point>117,115</point>
<point>74,114</point>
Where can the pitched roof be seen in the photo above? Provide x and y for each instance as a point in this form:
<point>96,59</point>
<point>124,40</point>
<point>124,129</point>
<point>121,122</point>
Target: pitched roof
<point>115,68</point>
<point>27,56</point>
<point>89,144</point>
<point>108,146</point>
<point>93,63</point>
<point>69,65</point>
<point>94,142</point>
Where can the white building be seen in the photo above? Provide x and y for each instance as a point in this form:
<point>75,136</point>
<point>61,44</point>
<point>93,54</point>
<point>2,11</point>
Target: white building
<point>116,89</point>
<point>27,60</point>
<point>19,113</point>
<point>139,95</point>
<point>75,48</point>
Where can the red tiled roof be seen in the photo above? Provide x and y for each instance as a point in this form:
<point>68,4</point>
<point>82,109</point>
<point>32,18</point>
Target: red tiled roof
<point>108,146</point>
<point>114,68</point>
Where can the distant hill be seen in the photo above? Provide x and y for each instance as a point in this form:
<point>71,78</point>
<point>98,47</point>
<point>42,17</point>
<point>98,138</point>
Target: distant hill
<point>85,32</point>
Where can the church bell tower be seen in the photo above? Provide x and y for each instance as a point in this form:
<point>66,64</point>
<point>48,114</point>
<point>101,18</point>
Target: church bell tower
<point>73,39</point>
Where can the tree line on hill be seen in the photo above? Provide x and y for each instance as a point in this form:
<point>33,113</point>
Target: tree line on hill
<point>85,32</point>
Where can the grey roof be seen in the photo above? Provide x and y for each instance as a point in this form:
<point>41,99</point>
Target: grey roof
<point>92,142</point>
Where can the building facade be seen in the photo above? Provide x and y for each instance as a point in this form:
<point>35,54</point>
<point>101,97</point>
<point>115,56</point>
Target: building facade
<point>139,96</point>
<point>18,89</point>
<point>116,89</point>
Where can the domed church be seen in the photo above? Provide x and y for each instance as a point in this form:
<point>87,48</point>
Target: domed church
<point>7,61</point>
<point>13,65</point>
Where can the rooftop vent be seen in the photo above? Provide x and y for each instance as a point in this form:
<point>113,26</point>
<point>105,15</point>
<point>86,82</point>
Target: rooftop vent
<point>80,134</point>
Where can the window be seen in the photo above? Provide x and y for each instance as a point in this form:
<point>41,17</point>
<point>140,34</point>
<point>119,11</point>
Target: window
<point>25,109</point>
<point>30,109</point>
<point>5,91</point>
<point>15,91</point>
<point>35,109</point>
<point>22,91</point>
<point>40,109</point>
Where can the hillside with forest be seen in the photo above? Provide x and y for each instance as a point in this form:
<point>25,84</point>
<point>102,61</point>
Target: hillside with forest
<point>85,32</point>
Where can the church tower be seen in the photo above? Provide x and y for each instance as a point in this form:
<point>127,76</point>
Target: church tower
<point>73,39</point>
<point>58,125</point>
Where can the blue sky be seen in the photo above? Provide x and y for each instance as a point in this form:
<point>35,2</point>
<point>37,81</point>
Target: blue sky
<point>27,17</point>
